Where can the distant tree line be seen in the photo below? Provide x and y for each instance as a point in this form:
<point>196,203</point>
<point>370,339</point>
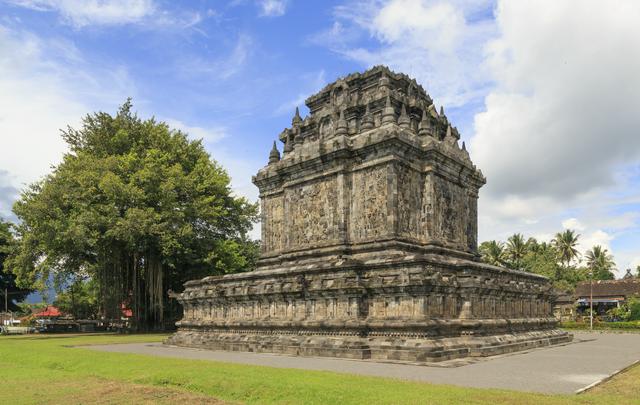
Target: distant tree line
<point>558,259</point>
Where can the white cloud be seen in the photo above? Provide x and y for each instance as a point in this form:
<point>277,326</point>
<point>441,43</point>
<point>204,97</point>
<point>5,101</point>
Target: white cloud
<point>208,135</point>
<point>557,139</point>
<point>34,104</point>
<point>272,8</point>
<point>573,223</point>
<point>563,114</point>
<point>439,43</point>
<point>8,194</point>
<point>81,13</point>
<point>45,85</point>
<point>559,130</point>
<point>598,237</point>
<point>627,259</point>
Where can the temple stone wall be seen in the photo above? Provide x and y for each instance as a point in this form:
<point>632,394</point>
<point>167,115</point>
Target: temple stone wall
<point>369,243</point>
<point>412,294</point>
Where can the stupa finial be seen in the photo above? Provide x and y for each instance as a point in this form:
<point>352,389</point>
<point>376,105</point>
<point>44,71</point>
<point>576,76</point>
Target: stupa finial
<point>296,118</point>
<point>274,155</point>
<point>424,128</point>
<point>367,119</point>
<point>388,113</point>
<point>404,121</point>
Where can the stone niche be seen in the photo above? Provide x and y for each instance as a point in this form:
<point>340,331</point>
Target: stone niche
<point>369,243</point>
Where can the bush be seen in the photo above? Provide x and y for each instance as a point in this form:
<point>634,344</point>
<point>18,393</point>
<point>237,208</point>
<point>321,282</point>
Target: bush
<point>634,309</point>
<point>632,325</point>
<point>630,311</point>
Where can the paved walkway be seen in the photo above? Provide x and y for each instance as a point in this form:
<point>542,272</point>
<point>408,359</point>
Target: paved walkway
<point>559,369</point>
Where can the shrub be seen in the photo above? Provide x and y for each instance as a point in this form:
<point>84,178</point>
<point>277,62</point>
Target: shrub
<point>632,325</point>
<point>634,309</point>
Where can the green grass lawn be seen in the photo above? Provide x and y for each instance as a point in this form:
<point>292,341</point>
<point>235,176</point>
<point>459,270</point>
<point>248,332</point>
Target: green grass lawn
<point>40,369</point>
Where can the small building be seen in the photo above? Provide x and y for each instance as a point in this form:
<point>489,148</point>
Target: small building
<point>564,308</point>
<point>7,319</point>
<point>51,319</point>
<point>607,294</point>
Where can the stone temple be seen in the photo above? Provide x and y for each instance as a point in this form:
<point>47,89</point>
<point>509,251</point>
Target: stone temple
<point>369,243</point>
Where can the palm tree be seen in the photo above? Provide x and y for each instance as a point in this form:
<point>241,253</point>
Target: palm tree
<point>533,245</point>
<point>566,242</point>
<point>516,250</point>
<point>492,252</point>
<point>600,262</point>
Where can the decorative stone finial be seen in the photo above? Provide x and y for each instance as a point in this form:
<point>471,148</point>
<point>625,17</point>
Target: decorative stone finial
<point>274,155</point>
<point>288,141</point>
<point>384,82</point>
<point>341,127</point>
<point>442,116</point>
<point>367,120</point>
<point>448,136</point>
<point>464,147</point>
<point>455,133</point>
<point>404,121</point>
<point>296,118</point>
<point>388,113</point>
<point>424,128</point>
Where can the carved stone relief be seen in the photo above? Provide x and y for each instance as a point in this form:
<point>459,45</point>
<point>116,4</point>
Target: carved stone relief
<point>369,203</point>
<point>312,213</point>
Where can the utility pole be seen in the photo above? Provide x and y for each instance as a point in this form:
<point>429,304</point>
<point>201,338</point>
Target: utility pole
<point>6,300</point>
<point>591,300</point>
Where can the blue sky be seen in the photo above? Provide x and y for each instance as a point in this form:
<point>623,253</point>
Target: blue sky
<point>544,94</point>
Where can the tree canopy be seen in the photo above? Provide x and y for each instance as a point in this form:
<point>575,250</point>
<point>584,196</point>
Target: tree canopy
<point>7,279</point>
<point>515,250</point>
<point>556,260</point>
<point>565,243</point>
<point>79,299</point>
<point>137,207</point>
<point>600,262</point>
<point>492,252</point>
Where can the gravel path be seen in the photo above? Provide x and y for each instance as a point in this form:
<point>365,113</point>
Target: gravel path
<point>560,369</point>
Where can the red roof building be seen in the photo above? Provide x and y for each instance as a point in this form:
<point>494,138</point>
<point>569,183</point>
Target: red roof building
<point>48,312</point>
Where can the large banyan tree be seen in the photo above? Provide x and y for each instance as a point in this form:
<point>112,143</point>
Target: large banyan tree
<point>139,208</point>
